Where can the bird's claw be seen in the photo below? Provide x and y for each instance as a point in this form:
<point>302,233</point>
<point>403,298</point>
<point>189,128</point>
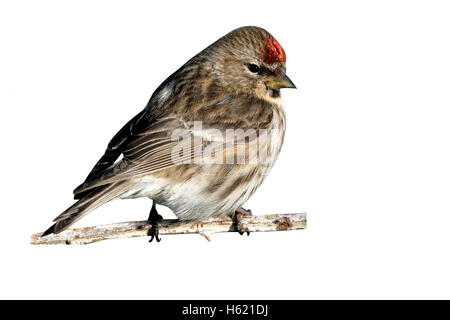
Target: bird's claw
<point>238,220</point>
<point>154,219</point>
<point>243,211</point>
<point>154,236</point>
<point>154,230</point>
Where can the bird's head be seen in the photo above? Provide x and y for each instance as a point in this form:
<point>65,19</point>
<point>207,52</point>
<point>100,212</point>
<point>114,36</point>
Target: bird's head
<point>251,60</point>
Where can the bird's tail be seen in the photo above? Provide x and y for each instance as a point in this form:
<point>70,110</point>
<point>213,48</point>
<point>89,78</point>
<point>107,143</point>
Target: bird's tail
<point>87,204</point>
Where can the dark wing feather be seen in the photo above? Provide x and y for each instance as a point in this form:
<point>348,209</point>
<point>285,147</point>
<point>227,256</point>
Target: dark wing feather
<point>147,145</point>
<point>114,150</point>
<point>143,153</point>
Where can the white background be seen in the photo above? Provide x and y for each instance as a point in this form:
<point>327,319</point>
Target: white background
<point>366,153</point>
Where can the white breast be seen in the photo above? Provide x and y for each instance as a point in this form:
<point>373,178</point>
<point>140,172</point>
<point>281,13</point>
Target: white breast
<point>190,200</point>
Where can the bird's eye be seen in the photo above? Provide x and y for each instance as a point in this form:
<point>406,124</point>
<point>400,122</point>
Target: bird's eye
<point>253,68</point>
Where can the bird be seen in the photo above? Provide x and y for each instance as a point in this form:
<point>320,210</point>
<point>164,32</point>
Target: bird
<point>192,148</point>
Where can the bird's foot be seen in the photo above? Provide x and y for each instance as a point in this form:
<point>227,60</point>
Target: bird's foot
<point>154,220</point>
<point>237,220</point>
<point>153,232</point>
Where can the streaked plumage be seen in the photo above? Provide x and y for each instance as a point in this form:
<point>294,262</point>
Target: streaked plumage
<point>216,88</point>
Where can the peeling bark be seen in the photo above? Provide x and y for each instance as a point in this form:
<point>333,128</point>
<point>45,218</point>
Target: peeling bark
<point>206,228</point>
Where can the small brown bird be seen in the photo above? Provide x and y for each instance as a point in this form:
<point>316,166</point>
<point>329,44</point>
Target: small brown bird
<point>206,139</point>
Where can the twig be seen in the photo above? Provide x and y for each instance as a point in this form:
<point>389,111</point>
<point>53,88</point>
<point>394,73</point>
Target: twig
<point>206,228</point>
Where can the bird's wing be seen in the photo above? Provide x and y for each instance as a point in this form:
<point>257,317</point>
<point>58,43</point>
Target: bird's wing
<point>144,151</point>
<point>152,145</point>
<point>114,150</point>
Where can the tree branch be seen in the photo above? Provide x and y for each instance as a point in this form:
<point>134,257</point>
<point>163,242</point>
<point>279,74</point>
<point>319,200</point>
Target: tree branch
<point>206,228</point>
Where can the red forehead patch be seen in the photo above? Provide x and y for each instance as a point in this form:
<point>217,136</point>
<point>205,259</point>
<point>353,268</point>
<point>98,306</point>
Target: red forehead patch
<point>273,52</point>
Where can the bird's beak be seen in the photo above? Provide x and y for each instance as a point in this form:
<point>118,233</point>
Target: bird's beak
<point>279,82</point>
